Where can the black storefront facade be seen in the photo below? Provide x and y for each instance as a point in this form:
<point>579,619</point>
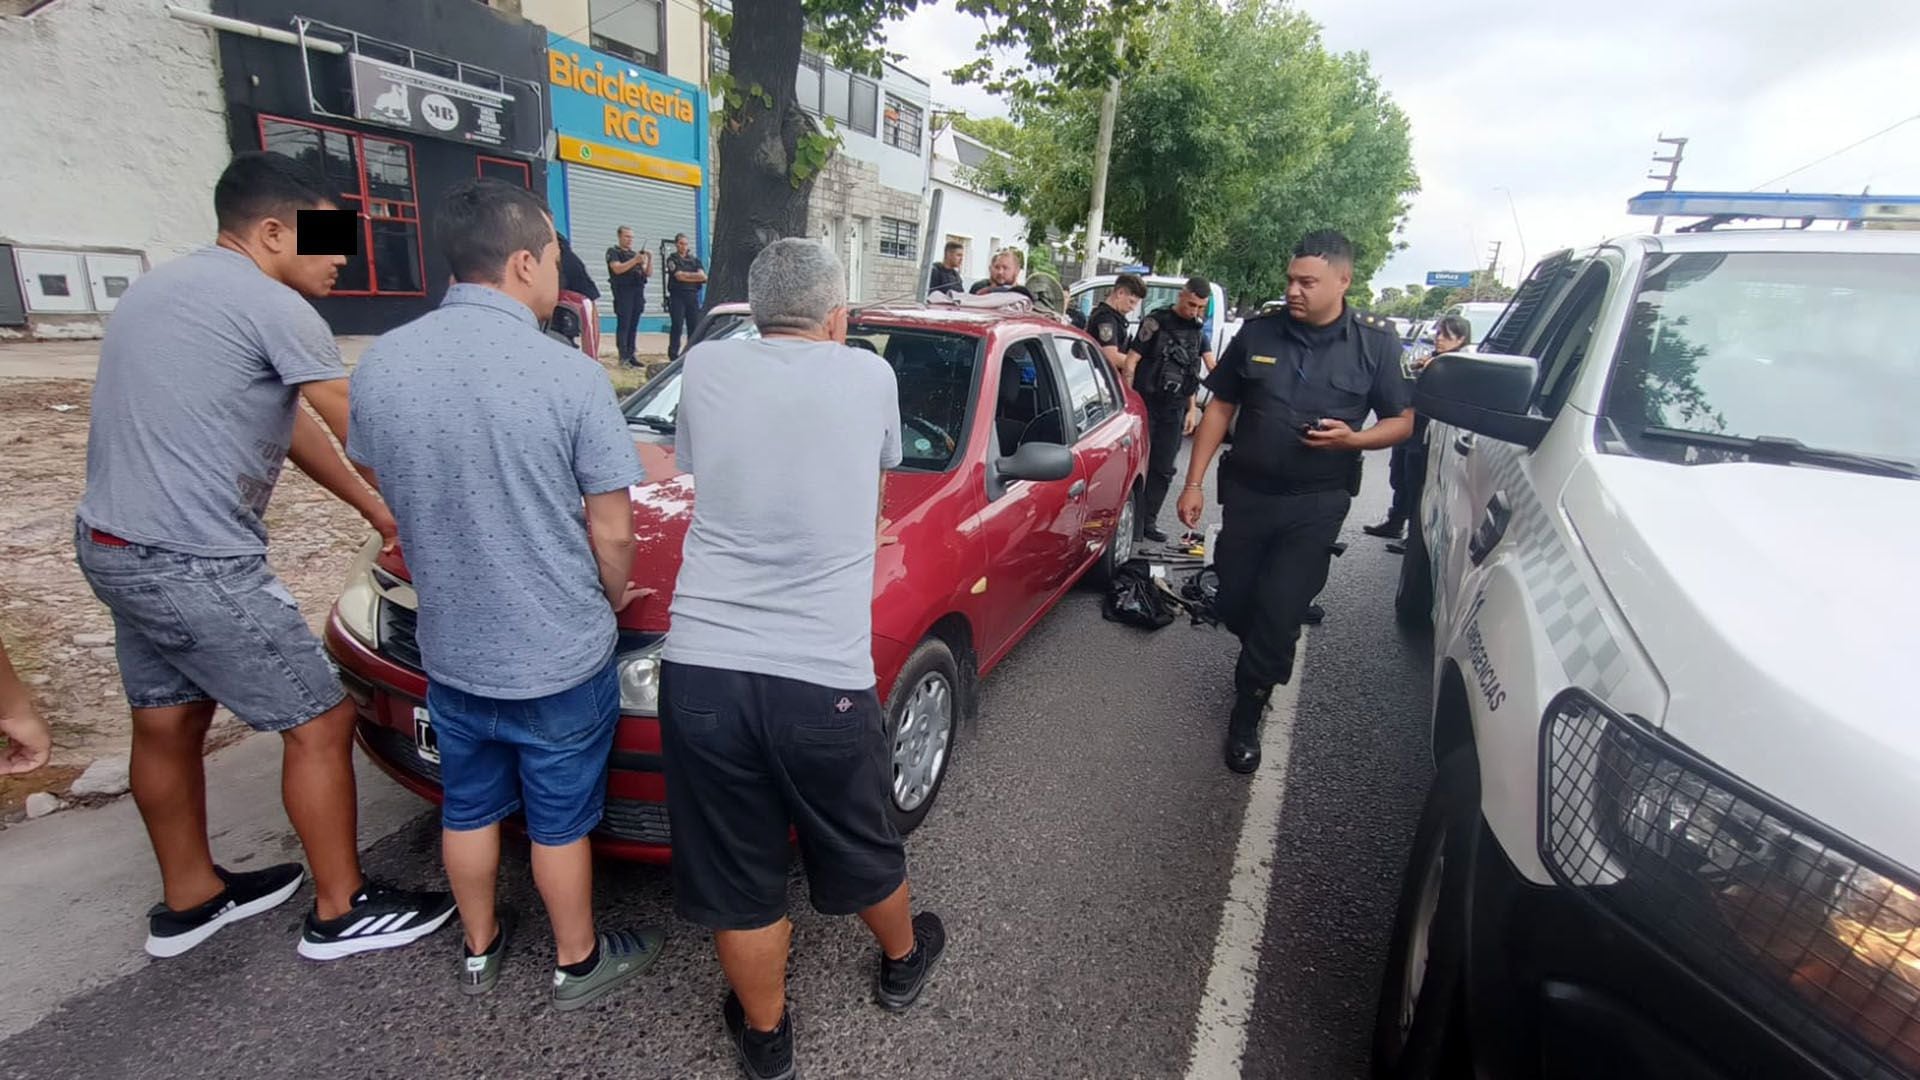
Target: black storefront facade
<point>403,101</point>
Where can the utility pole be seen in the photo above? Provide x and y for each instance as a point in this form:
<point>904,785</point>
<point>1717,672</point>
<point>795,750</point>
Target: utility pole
<point>1679,144</point>
<point>1493,269</point>
<point>1103,149</point>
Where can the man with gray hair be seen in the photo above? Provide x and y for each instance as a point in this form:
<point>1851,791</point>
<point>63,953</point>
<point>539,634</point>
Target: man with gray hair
<point>768,711</point>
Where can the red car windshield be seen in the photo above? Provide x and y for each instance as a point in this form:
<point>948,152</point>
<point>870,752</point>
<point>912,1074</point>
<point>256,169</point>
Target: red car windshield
<point>935,369</point>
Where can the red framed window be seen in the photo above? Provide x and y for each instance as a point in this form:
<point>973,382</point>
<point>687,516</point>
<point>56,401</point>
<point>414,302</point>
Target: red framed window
<point>375,178</point>
<point>513,172</point>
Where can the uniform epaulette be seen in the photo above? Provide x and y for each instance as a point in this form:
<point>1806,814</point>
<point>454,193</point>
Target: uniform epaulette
<point>1371,321</point>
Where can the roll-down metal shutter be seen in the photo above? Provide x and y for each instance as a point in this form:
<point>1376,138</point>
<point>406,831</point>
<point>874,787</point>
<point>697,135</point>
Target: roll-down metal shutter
<point>599,202</point>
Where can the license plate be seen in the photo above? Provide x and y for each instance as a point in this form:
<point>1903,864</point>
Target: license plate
<point>425,742</point>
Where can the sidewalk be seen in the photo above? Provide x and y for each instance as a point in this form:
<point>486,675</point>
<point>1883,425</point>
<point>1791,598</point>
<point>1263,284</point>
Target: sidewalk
<point>76,885</point>
<point>81,359</point>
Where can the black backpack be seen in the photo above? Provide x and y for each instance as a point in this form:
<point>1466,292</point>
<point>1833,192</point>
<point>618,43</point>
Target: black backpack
<point>1135,599</point>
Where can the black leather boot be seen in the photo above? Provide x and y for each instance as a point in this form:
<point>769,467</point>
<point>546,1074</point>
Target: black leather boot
<point>1243,729</point>
<point>1391,529</point>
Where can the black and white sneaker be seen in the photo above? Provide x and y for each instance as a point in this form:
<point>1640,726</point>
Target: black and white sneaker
<point>170,932</point>
<point>897,985</point>
<point>382,917</point>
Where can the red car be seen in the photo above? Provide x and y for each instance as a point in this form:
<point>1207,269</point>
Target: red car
<point>1024,458</point>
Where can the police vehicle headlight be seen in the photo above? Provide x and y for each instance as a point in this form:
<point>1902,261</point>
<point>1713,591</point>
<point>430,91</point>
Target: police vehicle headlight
<point>638,668</point>
<point>359,604</point>
<point>1812,931</point>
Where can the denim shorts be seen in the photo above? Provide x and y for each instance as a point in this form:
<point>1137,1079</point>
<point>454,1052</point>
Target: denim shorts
<point>189,629</point>
<point>545,755</point>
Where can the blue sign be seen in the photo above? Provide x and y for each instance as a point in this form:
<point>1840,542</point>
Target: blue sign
<point>600,100</point>
<point>1449,279</point>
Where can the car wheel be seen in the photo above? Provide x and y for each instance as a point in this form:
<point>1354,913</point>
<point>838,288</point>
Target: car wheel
<point>1126,539</point>
<point>1413,598</point>
<point>923,723</point>
<point>1426,958</point>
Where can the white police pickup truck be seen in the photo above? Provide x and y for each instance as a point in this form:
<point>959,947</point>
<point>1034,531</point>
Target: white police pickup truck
<point>1669,548</point>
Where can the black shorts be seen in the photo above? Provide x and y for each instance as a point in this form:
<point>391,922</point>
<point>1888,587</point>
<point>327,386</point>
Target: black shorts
<point>750,756</point>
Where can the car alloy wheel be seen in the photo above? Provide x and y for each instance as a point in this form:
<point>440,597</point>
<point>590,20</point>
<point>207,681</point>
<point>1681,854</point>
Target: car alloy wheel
<point>921,740</point>
<point>1420,936</point>
<point>1123,535</point>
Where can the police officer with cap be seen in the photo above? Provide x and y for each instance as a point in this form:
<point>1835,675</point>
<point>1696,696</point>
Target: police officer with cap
<point>1300,382</point>
<point>1165,364</point>
<point>1108,322</point>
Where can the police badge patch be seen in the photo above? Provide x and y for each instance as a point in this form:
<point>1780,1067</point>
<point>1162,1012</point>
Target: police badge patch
<point>1106,333</point>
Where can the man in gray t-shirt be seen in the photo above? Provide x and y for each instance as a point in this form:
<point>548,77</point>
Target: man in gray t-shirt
<point>768,712</point>
<point>195,409</point>
<point>508,465</point>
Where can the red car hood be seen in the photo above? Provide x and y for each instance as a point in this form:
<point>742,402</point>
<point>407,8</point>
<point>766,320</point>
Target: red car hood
<point>662,511</point>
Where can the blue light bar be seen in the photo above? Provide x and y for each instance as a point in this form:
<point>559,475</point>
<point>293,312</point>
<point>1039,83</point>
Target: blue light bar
<point>1733,205</point>
<point>1137,268</point>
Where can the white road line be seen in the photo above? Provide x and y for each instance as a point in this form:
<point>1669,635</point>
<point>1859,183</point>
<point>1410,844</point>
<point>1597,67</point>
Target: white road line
<point>1220,1030</point>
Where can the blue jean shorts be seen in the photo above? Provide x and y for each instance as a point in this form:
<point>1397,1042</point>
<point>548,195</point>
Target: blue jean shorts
<point>189,629</point>
<point>545,755</point>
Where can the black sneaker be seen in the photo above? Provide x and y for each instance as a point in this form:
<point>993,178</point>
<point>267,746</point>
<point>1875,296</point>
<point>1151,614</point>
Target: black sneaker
<point>1153,535</point>
<point>763,1055</point>
<point>899,982</point>
<point>170,932</point>
<point>382,917</point>
<point>1314,615</point>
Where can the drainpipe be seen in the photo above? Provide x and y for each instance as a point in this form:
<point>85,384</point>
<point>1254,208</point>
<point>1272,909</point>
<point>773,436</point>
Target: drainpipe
<point>253,30</point>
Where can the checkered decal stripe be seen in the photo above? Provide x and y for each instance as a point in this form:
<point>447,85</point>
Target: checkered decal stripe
<point>1575,627</point>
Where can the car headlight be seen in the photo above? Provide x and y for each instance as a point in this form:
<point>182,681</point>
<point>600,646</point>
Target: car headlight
<point>360,600</point>
<point>1815,932</point>
<point>638,668</point>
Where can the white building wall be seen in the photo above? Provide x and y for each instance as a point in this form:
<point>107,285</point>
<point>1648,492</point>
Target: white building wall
<point>898,169</point>
<point>114,131</point>
<point>978,220</point>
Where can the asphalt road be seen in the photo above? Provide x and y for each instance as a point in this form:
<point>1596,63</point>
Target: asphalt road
<point>1082,854</point>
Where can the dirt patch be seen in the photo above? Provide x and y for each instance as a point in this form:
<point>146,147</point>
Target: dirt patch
<point>45,604</point>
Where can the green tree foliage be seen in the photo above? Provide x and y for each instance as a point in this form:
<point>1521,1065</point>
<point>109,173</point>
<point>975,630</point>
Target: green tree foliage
<point>1236,133</point>
<point>995,131</point>
<point>770,149</point>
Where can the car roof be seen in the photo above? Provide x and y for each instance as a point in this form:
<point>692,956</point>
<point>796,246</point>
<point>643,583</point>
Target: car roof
<point>975,322</point>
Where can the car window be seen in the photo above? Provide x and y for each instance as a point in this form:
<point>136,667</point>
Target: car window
<point>1569,338</point>
<point>934,370</point>
<point>1090,398</point>
<point>1810,346</point>
<point>1028,406</point>
<point>731,324</point>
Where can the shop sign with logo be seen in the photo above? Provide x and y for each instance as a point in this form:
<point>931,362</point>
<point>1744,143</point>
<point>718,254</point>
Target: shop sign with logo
<point>401,97</point>
<point>610,114</point>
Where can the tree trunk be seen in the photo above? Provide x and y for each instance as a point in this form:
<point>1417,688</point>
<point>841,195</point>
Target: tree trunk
<point>758,200</point>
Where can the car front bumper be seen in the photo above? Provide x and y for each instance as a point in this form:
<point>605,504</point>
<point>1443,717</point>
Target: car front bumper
<point>634,826</point>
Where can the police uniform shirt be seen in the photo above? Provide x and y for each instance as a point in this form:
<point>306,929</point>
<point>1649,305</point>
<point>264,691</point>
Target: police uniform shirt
<point>1283,374</point>
<point>1109,327</point>
<point>631,279</point>
<point>683,264</point>
<point>943,278</point>
<point>1161,322</point>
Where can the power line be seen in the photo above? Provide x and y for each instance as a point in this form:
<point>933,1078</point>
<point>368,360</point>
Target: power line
<point>1837,153</point>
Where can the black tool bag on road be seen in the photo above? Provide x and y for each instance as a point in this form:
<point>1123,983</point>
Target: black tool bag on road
<point>1136,599</point>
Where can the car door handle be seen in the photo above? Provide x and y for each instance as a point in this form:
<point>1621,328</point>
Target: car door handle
<point>1493,526</point>
<point>1464,444</point>
<point>1078,489</point>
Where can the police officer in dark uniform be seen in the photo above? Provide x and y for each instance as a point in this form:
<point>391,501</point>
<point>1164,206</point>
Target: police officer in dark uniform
<point>1108,321</point>
<point>627,271</point>
<point>1169,356</point>
<point>1299,382</point>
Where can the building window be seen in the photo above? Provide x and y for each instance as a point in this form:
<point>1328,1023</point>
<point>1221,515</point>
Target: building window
<point>851,100</point>
<point>518,173</point>
<point>903,125</point>
<point>629,28</point>
<point>897,238</point>
<point>374,178</point>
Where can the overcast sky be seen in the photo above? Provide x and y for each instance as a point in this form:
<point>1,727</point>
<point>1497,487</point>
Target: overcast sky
<point>1560,103</point>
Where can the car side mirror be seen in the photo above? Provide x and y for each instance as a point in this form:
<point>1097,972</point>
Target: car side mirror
<point>1037,461</point>
<point>1485,393</point>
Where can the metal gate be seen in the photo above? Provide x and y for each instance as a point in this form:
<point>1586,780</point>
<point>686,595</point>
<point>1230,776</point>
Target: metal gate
<point>599,202</point>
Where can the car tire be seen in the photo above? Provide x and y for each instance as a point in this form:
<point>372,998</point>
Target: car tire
<point>1413,597</point>
<point>1420,993</point>
<point>1118,554</point>
<point>919,754</point>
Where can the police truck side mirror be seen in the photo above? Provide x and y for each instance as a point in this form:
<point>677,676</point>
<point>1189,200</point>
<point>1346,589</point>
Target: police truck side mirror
<point>1485,393</point>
